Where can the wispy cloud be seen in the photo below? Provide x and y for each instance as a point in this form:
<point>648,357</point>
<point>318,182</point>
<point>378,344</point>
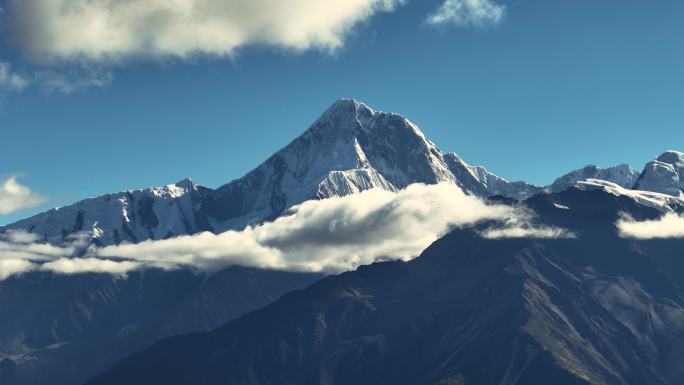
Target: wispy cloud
<point>670,225</point>
<point>10,80</point>
<point>16,197</point>
<point>466,13</point>
<point>70,79</point>
<point>540,232</point>
<point>331,235</point>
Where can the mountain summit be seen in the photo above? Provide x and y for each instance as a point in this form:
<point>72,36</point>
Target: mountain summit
<point>348,149</point>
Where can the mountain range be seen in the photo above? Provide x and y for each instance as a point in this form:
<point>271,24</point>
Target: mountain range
<point>350,148</point>
<point>598,309</point>
<point>594,309</point>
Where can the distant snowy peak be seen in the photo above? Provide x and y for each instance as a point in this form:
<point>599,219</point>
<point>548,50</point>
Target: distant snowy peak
<point>665,174</point>
<point>660,201</point>
<point>478,181</point>
<point>134,215</point>
<point>622,175</point>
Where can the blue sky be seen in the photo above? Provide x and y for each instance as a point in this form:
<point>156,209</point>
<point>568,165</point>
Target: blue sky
<point>548,87</point>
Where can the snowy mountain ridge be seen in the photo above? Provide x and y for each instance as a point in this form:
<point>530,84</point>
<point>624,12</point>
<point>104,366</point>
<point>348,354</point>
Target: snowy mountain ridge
<point>350,148</point>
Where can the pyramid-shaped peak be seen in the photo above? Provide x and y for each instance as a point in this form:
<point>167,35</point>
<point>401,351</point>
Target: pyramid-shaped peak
<point>186,183</point>
<point>349,104</point>
<point>348,109</point>
<point>348,117</point>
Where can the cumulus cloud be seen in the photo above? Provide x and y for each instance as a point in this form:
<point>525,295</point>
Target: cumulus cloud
<point>331,235</point>
<point>77,43</point>
<point>669,225</point>
<point>99,29</point>
<point>15,197</point>
<point>467,13</point>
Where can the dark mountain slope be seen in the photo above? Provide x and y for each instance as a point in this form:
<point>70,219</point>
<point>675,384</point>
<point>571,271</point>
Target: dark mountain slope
<point>77,326</point>
<point>469,310</point>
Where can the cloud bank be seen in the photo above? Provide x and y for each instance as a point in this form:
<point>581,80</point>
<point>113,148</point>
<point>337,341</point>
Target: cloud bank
<point>669,225</point>
<point>97,30</point>
<point>331,235</point>
<point>101,29</point>
<point>16,197</point>
<point>466,13</point>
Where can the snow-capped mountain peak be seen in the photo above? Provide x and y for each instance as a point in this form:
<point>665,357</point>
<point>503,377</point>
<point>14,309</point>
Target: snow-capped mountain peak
<point>187,184</point>
<point>349,148</point>
<point>622,175</point>
<point>665,174</point>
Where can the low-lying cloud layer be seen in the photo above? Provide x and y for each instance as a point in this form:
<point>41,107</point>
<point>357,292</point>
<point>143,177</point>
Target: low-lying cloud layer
<point>669,225</point>
<point>331,235</point>
<point>16,197</point>
<point>334,235</point>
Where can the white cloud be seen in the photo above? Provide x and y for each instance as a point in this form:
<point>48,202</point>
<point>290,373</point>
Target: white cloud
<point>78,42</point>
<point>669,225</point>
<point>15,196</point>
<point>331,235</point>
<point>89,265</point>
<point>10,80</point>
<point>19,237</point>
<point>467,13</point>
<point>101,29</point>
<point>528,232</point>
<point>10,267</point>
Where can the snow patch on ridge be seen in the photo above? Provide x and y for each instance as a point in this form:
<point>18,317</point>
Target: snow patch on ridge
<point>660,201</point>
